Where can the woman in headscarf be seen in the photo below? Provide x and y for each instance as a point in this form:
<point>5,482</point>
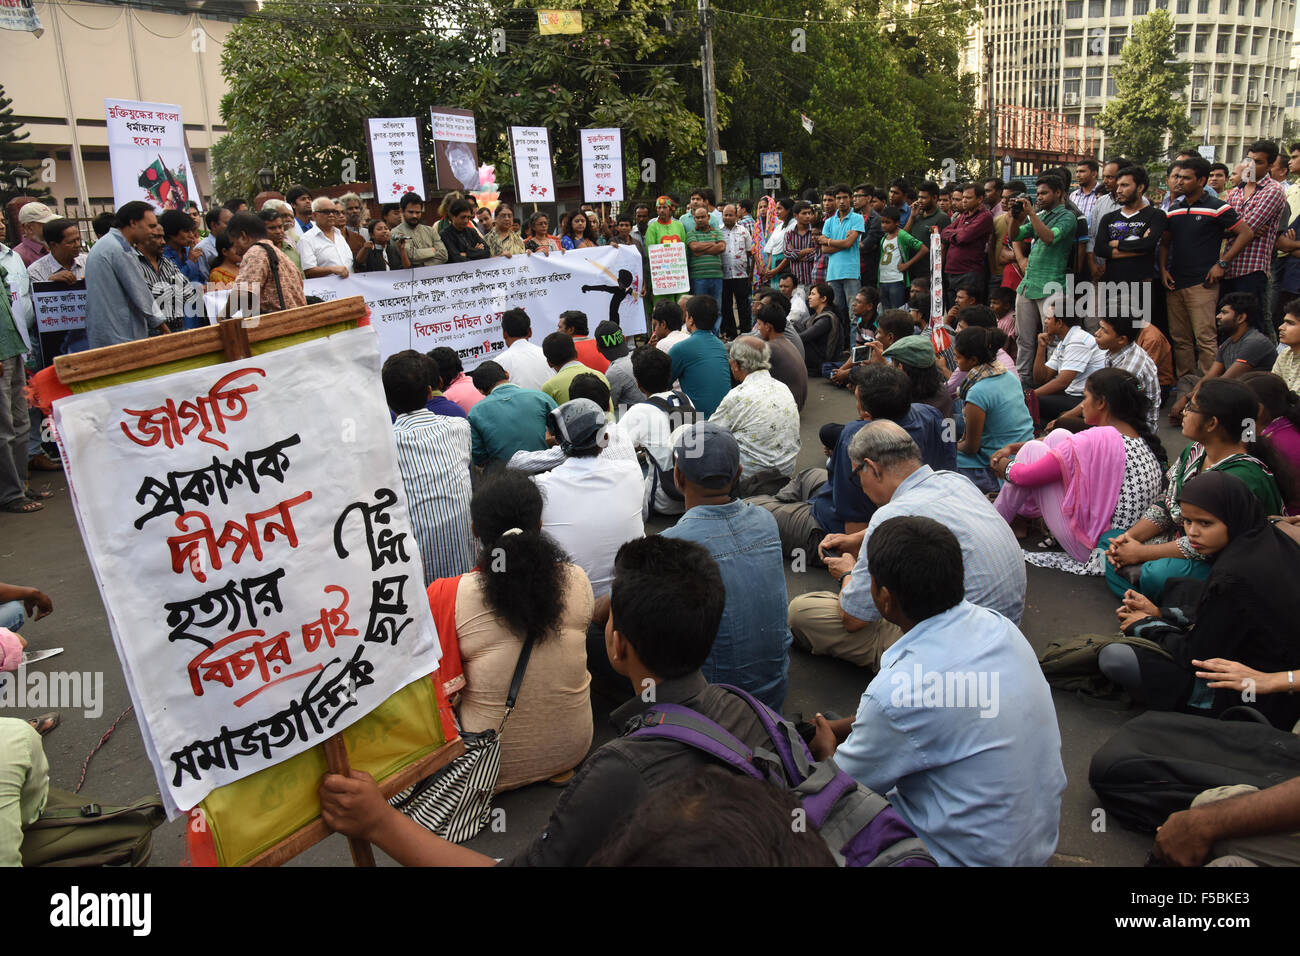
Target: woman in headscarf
<point>1082,484</point>
<point>1221,426</point>
<point>523,586</point>
<point>1245,610</point>
<point>1279,427</point>
<point>760,229</point>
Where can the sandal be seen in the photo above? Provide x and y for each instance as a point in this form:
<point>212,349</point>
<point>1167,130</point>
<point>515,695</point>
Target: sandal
<point>23,506</point>
<point>35,495</point>
<point>45,722</point>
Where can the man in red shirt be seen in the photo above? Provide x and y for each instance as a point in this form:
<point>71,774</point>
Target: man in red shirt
<point>574,324</point>
<point>967,238</point>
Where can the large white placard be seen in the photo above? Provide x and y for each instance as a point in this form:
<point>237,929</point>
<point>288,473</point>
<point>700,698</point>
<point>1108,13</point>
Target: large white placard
<point>395,157</point>
<point>531,148</point>
<point>602,164</point>
<point>249,532</point>
<point>668,269</point>
<point>460,305</point>
<point>146,152</point>
<point>59,307</point>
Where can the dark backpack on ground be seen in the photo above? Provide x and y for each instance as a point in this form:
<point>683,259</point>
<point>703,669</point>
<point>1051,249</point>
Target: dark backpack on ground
<point>74,832</point>
<point>858,825</point>
<point>1159,762</point>
<point>1071,664</point>
<point>680,412</point>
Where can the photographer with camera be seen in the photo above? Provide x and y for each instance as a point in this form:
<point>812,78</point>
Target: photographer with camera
<point>1051,225</point>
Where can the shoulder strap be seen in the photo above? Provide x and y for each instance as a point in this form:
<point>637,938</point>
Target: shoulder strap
<point>517,681</point>
<point>687,726</point>
<point>274,261</point>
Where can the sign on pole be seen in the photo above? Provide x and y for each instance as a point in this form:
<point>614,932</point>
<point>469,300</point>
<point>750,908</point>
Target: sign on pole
<point>146,153</point>
<point>455,148</point>
<point>769,164</point>
<point>530,147</point>
<point>602,164</point>
<point>263,585</point>
<point>395,157</point>
<point>771,182</point>
<point>668,272</point>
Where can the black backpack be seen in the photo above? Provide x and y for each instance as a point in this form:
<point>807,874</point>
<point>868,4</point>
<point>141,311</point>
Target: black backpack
<point>680,412</point>
<point>1158,763</point>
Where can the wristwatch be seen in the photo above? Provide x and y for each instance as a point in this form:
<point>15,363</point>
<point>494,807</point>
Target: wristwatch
<point>1223,263</point>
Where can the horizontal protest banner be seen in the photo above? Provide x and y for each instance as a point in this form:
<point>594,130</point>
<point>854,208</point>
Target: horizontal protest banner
<point>460,306</point>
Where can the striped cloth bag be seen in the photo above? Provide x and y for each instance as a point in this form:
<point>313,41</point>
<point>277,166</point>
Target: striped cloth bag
<point>456,801</point>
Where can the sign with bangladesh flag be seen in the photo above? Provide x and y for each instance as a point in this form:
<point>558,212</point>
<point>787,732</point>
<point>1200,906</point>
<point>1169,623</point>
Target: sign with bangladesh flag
<point>146,152</point>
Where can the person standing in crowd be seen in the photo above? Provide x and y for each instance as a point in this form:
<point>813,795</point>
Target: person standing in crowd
<point>509,419</point>
<point>1260,203</point>
<point>1124,246</point>
<point>377,254</point>
<point>841,232</point>
<point>119,305</point>
<point>664,229</point>
<point>32,217</point>
<point>462,240</point>
<point>15,420</point>
<point>433,456</point>
<point>182,239</point>
<point>993,197</point>
<point>1106,202</point>
<point>299,199</point>
<point>424,247</point>
<point>737,267</point>
<point>967,239</point>
<point>523,360</point>
<point>323,250</point>
<point>537,237</point>
<point>1087,193</point>
<point>800,245</point>
<point>503,239</point>
<point>700,362</point>
<point>899,253</point>
<point>705,246</point>
<point>578,231</point>
<point>1053,232</point>
<point>751,649</point>
<point>926,214</point>
<point>216,220</point>
<point>869,242</point>
<point>979,791</point>
<point>1192,267</point>
<point>263,268</point>
<point>352,212</point>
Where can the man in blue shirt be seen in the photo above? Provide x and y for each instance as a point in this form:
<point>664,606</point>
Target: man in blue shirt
<point>839,240</point>
<point>957,730</point>
<point>182,237</point>
<point>888,464</point>
<point>509,419</point>
<point>700,360</point>
<point>821,501</point>
<point>119,305</point>
<point>751,649</point>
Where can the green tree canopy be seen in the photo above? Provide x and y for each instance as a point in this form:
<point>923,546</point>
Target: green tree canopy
<point>1147,107</point>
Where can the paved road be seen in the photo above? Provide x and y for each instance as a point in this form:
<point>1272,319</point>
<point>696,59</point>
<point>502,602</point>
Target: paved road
<point>45,550</point>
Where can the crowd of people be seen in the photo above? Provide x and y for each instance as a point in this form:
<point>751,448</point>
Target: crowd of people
<point>1016,425</point>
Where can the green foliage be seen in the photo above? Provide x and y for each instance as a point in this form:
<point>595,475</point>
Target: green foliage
<point>15,151</point>
<point>1147,108</point>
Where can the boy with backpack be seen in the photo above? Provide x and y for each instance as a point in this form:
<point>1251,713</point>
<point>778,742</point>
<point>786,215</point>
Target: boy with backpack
<point>666,603</point>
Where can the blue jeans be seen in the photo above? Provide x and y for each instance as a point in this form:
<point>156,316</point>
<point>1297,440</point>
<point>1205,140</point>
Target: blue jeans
<point>845,290</point>
<point>893,295</point>
<point>710,287</point>
<point>11,615</point>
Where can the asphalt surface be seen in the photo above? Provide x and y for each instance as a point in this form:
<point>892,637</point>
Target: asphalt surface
<point>45,550</point>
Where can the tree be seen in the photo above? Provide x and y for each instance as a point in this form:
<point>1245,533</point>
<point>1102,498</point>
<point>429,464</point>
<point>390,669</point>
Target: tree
<point>304,76</point>
<point>14,151</point>
<point>1147,111</point>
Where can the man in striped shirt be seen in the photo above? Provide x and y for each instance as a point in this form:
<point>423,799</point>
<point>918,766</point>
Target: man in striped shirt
<point>433,455</point>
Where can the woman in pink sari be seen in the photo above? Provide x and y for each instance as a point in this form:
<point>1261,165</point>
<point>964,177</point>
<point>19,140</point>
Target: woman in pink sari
<point>1083,484</point>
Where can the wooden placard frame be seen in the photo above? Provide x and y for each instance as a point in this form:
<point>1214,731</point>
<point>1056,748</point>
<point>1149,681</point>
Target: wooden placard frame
<point>233,339</point>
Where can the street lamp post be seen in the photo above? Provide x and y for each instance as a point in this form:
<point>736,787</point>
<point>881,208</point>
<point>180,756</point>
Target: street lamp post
<point>21,176</point>
<point>266,176</point>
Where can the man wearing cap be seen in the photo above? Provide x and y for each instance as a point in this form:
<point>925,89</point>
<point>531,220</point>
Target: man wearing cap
<point>761,414</point>
<point>592,503</point>
<point>623,390</point>
<point>32,218</point>
<point>752,647</point>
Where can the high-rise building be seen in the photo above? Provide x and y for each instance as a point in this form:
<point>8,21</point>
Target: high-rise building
<point>1060,56</point>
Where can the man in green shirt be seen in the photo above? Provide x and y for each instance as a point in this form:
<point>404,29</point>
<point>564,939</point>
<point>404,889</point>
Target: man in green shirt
<point>1051,227</point>
<point>664,229</point>
<point>704,247</point>
<point>562,356</point>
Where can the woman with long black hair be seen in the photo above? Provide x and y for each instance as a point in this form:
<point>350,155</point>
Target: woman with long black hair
<point>522,586</point>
